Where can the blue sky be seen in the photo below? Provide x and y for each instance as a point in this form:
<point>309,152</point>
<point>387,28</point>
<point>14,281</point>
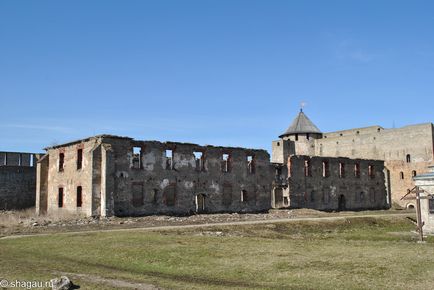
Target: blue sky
<point>210,72</point>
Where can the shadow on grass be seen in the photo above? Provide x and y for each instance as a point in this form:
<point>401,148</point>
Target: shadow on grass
<point>173,277</point>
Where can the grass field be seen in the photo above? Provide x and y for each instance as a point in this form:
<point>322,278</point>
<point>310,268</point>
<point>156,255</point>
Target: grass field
<point>353,253</point>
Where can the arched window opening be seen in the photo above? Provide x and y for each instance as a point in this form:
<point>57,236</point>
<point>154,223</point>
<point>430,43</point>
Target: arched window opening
<point>371,171</point>
<point>325,168</point>
<point>341,170</point>
<point>244,197</point>
<point>307,168</point>
<point>357,170</point>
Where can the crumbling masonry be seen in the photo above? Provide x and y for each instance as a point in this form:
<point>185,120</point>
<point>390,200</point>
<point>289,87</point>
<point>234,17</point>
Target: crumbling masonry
<point>110,175</point>
<point>355,169</point>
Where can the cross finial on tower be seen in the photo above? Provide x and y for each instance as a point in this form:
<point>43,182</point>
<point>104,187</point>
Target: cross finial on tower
<point>302,105</point>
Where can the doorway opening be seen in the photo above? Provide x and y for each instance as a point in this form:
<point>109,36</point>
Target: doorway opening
<point>200,203</point>
<point>341,205</point>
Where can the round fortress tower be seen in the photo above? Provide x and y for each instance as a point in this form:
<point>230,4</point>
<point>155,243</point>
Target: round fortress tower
<point>301,129</point>
<point>298,139</point>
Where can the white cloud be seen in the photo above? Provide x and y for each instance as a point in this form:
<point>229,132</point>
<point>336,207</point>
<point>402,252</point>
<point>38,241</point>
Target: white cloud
<point>347,50</point>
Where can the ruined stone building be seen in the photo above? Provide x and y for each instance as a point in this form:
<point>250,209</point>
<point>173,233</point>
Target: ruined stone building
<point>356,169</point>
<point>330,183</point>
<point>110,175</point>
<point>406,152</point>
<point>17,180</point>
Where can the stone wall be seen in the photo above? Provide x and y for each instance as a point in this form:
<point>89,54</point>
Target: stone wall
<point>121,176</point>
<point>408,150</point>
<point>17,180</point>
<point>18,159</point>
<point>332,184</point>
<point>62,177</point>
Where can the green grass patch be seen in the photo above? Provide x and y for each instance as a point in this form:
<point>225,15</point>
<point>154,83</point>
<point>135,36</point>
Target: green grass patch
<point>353,253</point>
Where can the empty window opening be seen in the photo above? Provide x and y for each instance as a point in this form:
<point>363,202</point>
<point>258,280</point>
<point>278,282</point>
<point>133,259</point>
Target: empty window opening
<point>341,134</point>
<point>296,137</point>
<point>357,170</point>
<point>79,158</point>
<point>169,159</point>
<point>307,136</point>
<point>32,160</point>
<point>341,170</point>
<point>200,161</point>
<point>408,158</point>
<point>79,196</point>
<point>244,197</point>
<point>20,159</point>
<point>61,161</point>
<point>413,173</point>
<point>278,174</point>
<point>137,158</point>
<point>401,175</point>
<point>325,169</point>
<point>226,166</point>
<point>307,168</point>
<point>378,130</point>
<point>60,197</point>
<point>251,164</point>
<point>5,159</point>
<point>358,132</point>
<point>278,143</point>
<point>154,198</point>
<point>371,171</point>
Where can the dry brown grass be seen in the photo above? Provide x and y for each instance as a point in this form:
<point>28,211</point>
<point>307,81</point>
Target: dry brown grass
<point>28,216</point>
<point>350,253</point>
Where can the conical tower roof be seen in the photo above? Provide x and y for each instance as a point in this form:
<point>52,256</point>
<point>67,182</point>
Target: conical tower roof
<point>301,125</point>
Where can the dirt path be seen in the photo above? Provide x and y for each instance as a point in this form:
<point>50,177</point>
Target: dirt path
<point>248,222</point>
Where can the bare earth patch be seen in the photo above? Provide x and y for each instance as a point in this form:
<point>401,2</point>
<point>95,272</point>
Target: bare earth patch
<point>26,222</point>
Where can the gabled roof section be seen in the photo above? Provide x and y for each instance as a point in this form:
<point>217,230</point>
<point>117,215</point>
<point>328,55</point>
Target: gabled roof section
<point>301,124</point>
<point>87,139</point>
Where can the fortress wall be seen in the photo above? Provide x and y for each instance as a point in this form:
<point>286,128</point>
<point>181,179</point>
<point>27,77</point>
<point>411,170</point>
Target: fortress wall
<point>378,143</point>
<point>391,145</point>
<point>338,189</point>
<point>17,187</point>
